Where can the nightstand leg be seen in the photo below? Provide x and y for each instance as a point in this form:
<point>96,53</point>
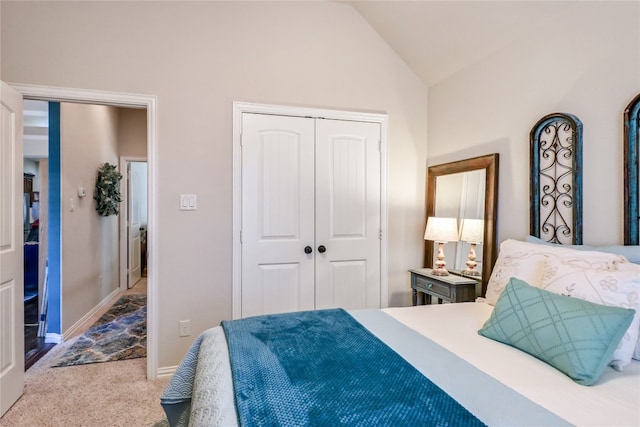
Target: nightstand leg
<point>414,297</point>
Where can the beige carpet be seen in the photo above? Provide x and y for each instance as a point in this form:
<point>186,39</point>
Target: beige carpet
<point>103,394</point>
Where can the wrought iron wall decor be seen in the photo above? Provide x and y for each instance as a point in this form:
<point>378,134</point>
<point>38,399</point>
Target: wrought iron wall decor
<point>556,179</point>
<point>631,173</point>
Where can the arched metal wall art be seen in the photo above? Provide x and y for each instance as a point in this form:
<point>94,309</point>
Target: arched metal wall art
<point>556,179</point>
<point>631,173</point>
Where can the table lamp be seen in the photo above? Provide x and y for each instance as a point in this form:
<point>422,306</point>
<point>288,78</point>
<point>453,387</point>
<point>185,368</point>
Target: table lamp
<point>473,233</point>
<point>441,231</point>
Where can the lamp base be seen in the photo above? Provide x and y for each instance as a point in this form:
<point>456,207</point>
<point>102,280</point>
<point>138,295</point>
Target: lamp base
<point>468,272</point>
<point>471,263</point>
<point>439,272</point>
<point>440,263</point>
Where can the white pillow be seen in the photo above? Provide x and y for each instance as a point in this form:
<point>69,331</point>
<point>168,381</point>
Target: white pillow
<point>630,252</point>
<point>526,261</point>
<point>617,284</point>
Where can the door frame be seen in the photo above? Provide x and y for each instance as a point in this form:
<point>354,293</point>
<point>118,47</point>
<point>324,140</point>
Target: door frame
<point>127,100</point>
<point>124,241</point>
<point>240,108</point>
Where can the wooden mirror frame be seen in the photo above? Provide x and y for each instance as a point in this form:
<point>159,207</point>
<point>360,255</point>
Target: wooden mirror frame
<point>490,164</point>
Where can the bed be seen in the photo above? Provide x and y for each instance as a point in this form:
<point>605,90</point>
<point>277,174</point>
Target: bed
<point>463,375</point>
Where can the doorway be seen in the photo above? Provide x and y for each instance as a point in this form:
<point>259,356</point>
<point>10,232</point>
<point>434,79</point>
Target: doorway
<point>133,231</point>
<point>36,185</point>
<point>147,103</point>
<point>84,246</point>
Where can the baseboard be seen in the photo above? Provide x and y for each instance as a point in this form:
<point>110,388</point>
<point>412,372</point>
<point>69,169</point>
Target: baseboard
<point>69,332</point>
<point>166,372</point>
<point>51,338</point>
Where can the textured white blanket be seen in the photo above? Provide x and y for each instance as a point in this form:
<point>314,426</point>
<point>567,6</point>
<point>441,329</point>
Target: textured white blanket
<point>613,401</point>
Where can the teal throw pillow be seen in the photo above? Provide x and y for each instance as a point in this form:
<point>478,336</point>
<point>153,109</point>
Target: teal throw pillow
<point>574,336</point>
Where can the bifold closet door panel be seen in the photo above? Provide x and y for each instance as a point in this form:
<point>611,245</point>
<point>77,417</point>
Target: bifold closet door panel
<point>348,214</point>
<point>277,214</point>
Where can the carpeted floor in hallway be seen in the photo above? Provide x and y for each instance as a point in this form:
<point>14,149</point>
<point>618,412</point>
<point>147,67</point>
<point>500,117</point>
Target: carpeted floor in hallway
<point>99,395</point>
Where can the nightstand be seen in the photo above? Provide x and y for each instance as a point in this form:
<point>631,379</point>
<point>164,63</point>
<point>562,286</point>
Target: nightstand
<point>449,288</point>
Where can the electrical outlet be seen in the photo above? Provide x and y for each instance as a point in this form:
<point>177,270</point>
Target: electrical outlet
<point>185,328</point>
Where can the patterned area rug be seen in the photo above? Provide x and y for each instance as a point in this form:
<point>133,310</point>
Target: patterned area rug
<point>120,334</point>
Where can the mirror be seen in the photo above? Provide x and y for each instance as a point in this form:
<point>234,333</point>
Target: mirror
<point>465,189</point>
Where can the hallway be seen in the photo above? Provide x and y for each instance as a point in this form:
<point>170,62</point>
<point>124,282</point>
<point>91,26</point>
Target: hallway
<point>35,348</point>
<point>78,395</point>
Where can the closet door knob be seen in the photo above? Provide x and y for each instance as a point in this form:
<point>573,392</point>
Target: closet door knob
<point>322,249</point>
<point>308,249</point>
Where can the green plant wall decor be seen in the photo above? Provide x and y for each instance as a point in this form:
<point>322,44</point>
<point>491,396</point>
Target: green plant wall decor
<point>107,194</point>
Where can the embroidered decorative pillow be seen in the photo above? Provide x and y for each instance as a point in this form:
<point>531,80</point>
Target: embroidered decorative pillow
<point>576,337</point>
<point>630,252</point>
<point>526,261</point>
<point>616,285</point>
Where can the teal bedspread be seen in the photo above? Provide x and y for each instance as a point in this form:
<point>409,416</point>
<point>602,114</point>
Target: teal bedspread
<point>201,391</point>
<point>323,368</point>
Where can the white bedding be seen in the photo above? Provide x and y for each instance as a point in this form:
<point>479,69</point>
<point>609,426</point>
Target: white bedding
<point>613,401</point>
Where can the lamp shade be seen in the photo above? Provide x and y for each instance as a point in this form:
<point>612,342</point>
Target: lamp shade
<point>472,230</point>
<point>441,229</point>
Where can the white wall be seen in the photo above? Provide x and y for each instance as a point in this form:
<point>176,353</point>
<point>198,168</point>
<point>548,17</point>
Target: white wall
<point>36,126</point>
<point>90,270</point>
<point>31,166</point>
<point>197,58</point>
<point>132,142</point>
<point>587,64</point>
<point>132,132</point>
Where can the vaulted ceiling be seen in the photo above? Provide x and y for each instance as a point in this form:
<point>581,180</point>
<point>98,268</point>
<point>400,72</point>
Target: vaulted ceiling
<point>439,38</point>
<point>435,38</point>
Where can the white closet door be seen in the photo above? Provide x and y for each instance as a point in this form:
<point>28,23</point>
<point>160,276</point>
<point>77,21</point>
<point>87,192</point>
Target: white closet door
<point>347,214</point>
<point>277,214</point>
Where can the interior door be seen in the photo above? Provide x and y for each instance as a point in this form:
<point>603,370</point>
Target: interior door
<point>134,205</point>
<point>11,249</point>
<point>347,214</point>
<point>277,214</point>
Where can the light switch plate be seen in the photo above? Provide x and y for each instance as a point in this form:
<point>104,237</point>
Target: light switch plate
<point>188,202</point>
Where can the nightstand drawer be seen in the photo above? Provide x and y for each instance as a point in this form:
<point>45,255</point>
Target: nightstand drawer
<point>433,287</point>
<point>450,288</point>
